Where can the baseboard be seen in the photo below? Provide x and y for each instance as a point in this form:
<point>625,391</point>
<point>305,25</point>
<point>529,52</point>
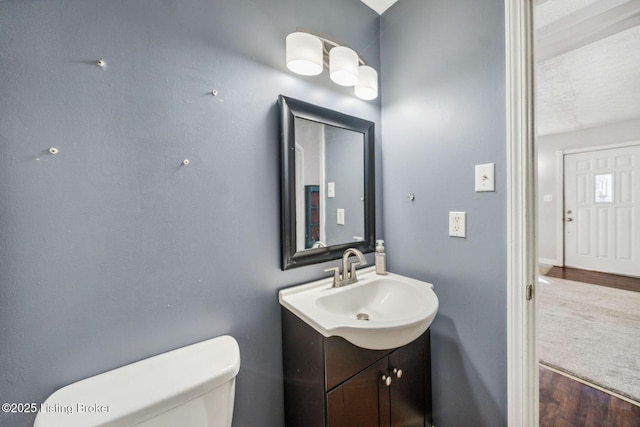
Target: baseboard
<point>547,261</point>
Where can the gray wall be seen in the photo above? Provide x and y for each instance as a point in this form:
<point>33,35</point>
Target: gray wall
<point>443,112</point>
<point>111,251</point>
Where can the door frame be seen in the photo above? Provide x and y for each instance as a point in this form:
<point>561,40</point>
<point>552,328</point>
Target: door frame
<point>560,249</point>
<point>299,172</point>
<point>560,208</point>
<point>323,185</point>
<point>522,358</point>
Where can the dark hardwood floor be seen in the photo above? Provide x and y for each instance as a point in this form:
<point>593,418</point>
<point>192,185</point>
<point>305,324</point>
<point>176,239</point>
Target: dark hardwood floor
<point>565,402</point>
<point>596,278</point>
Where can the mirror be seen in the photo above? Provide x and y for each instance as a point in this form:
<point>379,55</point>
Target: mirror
<point>327,183</point>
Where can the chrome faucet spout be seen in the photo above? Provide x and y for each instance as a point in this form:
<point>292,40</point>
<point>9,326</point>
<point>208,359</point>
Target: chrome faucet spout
<point>348,275</point>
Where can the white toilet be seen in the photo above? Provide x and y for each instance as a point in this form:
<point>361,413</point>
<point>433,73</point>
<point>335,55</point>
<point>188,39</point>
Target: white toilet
<point>193,386</point>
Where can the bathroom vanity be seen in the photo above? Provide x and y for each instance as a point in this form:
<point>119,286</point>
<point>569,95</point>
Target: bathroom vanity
<point>331,382</point>
<point>358,354</point>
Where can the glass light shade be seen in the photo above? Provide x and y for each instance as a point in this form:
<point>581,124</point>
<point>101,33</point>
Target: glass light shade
<point>367,86</point>
<point>304,54</point>
<point>343,66</point>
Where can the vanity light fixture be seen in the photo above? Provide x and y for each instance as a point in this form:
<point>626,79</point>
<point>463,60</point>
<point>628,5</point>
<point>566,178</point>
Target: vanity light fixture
<point>304,54</point>
<point>307,53</point>
<point>367,85</point>
<point>344,66</point>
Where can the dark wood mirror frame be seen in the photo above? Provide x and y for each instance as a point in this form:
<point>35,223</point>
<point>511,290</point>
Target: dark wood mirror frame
<point>290,109</point>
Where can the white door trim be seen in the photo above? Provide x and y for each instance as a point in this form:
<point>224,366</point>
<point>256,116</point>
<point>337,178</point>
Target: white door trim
<point>601,147</point>
<point>522,360</point>
<point>299,172</point>
<point>323,194</point>
<point>560,208</point>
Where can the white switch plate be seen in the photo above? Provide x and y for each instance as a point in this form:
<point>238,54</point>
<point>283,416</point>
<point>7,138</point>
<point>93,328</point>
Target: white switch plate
<point>548,198</point>
<point>457,224</point>
<point>485,177</point>
<point>331,190</point>
<point>340,215</point>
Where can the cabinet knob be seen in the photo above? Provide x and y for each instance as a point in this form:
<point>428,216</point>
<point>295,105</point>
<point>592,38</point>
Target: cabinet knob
<point>398,372</point>
<point>386,380</point>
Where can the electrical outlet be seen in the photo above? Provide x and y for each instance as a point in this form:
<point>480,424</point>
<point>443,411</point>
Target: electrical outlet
<point>340,215</point>
<point>457,224</point>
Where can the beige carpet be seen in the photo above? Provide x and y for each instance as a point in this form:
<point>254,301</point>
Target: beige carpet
<point>591,332</point>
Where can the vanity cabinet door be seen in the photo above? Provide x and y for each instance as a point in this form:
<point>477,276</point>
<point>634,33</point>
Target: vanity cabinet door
<point>408,388</point>
<point>343,360</point>
<point>329,382</point>
<point>362,401</point>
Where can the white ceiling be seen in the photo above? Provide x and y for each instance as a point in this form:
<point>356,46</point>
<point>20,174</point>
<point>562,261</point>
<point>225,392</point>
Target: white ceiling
<point>588,63</point>
<point>379,5</point>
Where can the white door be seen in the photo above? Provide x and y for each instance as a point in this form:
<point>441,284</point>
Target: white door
<point>602,210</point>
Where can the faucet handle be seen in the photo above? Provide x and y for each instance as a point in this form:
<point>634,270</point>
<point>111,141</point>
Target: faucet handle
<point>336,274</point>
<point>359,263</point>
<point>353,265</point>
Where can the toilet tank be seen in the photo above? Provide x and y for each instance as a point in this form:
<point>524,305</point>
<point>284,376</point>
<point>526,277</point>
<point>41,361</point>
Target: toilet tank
<point>193,386</point>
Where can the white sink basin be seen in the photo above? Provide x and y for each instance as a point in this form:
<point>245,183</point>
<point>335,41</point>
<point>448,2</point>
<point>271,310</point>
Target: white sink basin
<point>399,309</point>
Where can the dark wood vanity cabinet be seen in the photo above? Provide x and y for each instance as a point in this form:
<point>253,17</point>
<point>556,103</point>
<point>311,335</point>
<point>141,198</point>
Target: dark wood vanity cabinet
<point>330,382</point>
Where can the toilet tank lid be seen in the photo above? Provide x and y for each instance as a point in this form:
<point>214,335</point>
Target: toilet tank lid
<point>143,389</point>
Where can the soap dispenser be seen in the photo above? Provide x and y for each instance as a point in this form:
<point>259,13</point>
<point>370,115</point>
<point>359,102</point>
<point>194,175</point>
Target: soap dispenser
<point>381,262</point>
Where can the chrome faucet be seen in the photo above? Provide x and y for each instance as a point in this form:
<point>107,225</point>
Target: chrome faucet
<point>348,275</point>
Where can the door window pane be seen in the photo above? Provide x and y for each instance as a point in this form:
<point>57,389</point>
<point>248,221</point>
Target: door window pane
<point>603,186</point>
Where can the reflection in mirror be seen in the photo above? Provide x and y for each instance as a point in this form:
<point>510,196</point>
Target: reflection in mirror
<point>327,183</point>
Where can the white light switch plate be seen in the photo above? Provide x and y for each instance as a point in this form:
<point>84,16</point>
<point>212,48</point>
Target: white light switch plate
<point>485,177</point>
<point>340,214</point>
<point>331,190</point>
<point>457,224</point>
